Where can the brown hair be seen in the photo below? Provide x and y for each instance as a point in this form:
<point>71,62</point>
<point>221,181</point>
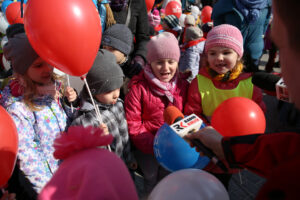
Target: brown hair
<point>288,10</point>
<point>110,20</point>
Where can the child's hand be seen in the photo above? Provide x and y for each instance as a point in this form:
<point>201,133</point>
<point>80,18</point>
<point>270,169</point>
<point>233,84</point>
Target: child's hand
<point>104,128</point>
<point>133,165</point>
<point>70,94</point>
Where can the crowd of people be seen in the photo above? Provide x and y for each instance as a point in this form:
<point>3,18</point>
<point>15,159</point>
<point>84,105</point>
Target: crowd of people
<point>146,62</point>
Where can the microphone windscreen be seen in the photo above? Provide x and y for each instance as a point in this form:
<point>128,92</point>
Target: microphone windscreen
<point>171,114</point>
<point>265,81</point>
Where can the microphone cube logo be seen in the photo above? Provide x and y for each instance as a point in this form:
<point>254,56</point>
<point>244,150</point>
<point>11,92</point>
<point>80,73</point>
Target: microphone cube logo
<point>187,125</point>
<point>282,91</point>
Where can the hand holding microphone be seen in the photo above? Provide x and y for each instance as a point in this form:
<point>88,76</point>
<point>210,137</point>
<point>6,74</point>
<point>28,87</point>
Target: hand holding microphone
<point>187,128</point>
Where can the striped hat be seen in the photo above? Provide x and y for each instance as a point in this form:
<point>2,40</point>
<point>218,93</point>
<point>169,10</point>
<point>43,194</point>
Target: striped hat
<point>172,21</point>
<point>225,35</point>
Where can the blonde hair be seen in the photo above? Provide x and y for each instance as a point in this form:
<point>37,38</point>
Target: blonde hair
<point>110,20</point>
<point>230,75</point>
<point>30,89</point>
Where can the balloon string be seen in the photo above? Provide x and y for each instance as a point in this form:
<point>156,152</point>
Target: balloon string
<point>98,115</point>
<point>240,175</point>
<point>68,83</point>
<point>22,8</point>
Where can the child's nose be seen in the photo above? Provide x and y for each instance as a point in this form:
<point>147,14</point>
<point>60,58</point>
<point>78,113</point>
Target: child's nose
<point>220,56</point>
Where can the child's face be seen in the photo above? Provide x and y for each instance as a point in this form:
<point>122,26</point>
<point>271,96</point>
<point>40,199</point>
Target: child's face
<point>40,72</point>
<point>121,58</point>
<point>109,97</point>
<point>164,69</point>
<point>222,59</point>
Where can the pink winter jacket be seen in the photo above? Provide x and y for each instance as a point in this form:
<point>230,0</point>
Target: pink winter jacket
<point>193,104</point>
<point>144,110</point>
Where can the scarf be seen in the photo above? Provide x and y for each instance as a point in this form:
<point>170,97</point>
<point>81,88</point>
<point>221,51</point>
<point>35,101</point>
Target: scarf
<point>118,5</point>
<point>251,8</point>
<point>229,76</point>
<point>161,88</point>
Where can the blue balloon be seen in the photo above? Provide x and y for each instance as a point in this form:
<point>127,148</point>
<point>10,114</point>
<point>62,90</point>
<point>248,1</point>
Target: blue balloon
<point>95,2</point>
<point>5,4</point>
<point>24,1</point>
<point>174,153</point>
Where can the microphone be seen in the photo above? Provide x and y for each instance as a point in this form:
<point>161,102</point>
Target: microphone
<point>186,125</point>
<point>272,83</point>
<point>265,81</point>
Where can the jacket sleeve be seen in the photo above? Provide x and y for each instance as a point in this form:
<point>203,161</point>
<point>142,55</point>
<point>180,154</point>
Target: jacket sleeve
<point>261,152</point>
<point>142,31</point>
<point>193,104</point>
<point>258,98</point>
<point>139,135</point>
<point>123,129</point>
<point>86,119</point>
<point>32,162</point>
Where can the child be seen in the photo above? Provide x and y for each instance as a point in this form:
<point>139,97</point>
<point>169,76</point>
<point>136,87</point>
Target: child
<point>105,79</point>
<point>222,77</point>
<point>156,87</point>
<point>191,50</point>
<point>118,39</point>
<point>34,99</point>
<point>189,20</point>
<point>88,172</point>
<point>171,24</point>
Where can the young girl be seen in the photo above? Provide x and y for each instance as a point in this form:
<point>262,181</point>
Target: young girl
<point>34,100</point>
<point>156,87</point>
<point>222,77</point>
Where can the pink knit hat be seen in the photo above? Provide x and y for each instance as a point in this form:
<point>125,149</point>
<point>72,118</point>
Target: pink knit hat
<point>88,172</point>
<point>154,18</point>
<point>225,35</point>
<point>163,46</point>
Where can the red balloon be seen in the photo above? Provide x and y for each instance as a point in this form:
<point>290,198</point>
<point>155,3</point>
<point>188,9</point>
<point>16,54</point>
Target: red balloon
<point>13,13</point>
<point>238,116</point>
<point>8,146</point>
<point>173,8</point>
<point>66,33</point>
<point>206,14</point>
<point>149,5</point>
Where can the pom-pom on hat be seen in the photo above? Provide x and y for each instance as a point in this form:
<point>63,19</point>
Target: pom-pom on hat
<point>87,171</point>
<point>105,75</point>
<point>225,35</point>
<point>19,51</point>
<point>163,46</point>
<point>119,37</point>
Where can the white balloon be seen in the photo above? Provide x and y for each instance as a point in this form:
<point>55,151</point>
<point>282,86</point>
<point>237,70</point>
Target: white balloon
<point>195,10</point>
<point>189,184</point>
<point>3,23</point>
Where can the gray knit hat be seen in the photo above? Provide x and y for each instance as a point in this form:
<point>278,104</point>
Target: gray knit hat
<point>172,21</point>
<point>119,37</point>
<point>105,75</point>
<point>193,33</point>
<point>19,51</point>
